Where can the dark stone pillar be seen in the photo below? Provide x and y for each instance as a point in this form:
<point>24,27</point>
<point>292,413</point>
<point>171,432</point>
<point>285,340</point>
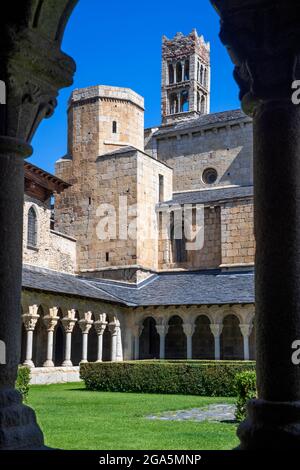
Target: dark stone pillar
<point>33,68</point>
<point>263,41</point>
<point>18,428</point>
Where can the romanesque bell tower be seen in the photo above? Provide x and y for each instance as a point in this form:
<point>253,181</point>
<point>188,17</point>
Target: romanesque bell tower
<point>185,77</point>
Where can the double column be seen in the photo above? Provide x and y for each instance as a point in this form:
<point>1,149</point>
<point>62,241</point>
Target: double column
<point>162,330</point>
<point>116,340</point>
<point>189,329</point>
<point>137,331</point>
<point>216,329</point>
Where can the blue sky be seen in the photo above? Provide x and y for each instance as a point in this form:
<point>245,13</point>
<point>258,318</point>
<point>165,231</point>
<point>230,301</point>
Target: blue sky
<point>119,43</point>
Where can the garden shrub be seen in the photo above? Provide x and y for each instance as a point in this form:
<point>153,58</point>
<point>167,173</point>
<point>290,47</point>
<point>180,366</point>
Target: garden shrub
<point>245,385</point>
<point>22,382</point>
<point>206,378</point>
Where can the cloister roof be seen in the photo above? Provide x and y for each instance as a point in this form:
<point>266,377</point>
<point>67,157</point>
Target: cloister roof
<point>171,288</point>
<point>209,195</point>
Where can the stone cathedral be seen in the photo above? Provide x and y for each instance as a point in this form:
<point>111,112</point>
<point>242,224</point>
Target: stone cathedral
<point>109,271</point>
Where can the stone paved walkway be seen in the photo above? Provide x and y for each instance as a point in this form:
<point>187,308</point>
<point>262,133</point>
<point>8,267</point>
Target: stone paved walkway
<point>221,412</point>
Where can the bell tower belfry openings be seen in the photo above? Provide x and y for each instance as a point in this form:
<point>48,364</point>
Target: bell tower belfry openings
<point>185,77</point>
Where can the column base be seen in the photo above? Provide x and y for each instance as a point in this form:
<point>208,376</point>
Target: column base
<point>28,363</point>
<point>48,363</point>
<point>99,360</point>
<point>18,427</point>
<point>270,425</point>
<point>67,364</point>
<point>84,361</point>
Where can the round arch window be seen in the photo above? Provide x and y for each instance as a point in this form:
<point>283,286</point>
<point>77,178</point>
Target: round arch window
<point>209,176</point>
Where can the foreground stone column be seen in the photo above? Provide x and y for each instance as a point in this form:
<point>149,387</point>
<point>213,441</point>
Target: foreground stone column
<point>32,69</point>
<point>264,43</point>
<point>162,330</point>
<point>246,332</point>
<point>68,324</point>
<point>50,322</point>
<point>216,329</point>
<point>85,326</point>
<point>100,326</point>
<point>29,320</point>
<point>189,329</point>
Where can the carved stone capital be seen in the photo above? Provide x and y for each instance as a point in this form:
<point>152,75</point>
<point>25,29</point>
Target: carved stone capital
<point>263,41</point>
<point>246,329</point>
<point>188,329</point>
<point>85,325</point>
<point>50,322</point>
<point>137,330</point>
<point>29,320</point>
<point>114,326</point>
<point>162,329</point>
<point>33,66</point>
<point>100,326</point>
<point>68,324</point>
<point>216,329</point>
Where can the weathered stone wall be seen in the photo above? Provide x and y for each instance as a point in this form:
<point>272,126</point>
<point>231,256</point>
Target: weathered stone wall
<point>54,250</point>
<point>148,171</point>
<point>238,244</point>
<point>209,256</point>
<point>95,179</point>
<point>226,147</point>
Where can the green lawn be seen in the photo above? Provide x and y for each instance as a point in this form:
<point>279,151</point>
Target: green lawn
<point>73,418</point>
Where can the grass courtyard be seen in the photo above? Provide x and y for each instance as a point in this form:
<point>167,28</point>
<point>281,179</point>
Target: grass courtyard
<point>73,418</point>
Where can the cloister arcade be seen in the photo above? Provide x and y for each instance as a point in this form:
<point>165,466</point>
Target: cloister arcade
<point>228,336</point>
<point>58,331</point>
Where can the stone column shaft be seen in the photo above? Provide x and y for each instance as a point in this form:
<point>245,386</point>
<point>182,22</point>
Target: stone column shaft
<point>216,330</point>
<point>68,324</point>
<point>246,332</point>
<point>162,331</point>
<point>85,326</point>
<point>189,329</point>
<point>50,322</point>
<point>100,326</point>
<point>30,320</point>
<point>263,41</point>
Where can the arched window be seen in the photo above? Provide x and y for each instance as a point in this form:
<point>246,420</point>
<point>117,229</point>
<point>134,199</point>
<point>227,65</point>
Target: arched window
<point>198,102</point>
<point>201,74</point>
<point>184,102</point>
<point>114,127</point>
<point>203,104</point>
<point>173,103</point>
<point>187,70</point>
<point>171,74</point>
<point>206,78</point>
<point>32,228</point>
<point>178,241</point>
<point>178,72</point>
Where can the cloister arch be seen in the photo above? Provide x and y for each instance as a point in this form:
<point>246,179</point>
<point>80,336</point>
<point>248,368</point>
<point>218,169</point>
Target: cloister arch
<point>202,340</point>
<point>231,338</point>
<point>39,349</point>
<point>76,346</point>
<point>58,341</point>
<point>92,343</point>
<point>149,339</point>
<point>106,355</point>
<point>252,340</point>
<point>176,347</point>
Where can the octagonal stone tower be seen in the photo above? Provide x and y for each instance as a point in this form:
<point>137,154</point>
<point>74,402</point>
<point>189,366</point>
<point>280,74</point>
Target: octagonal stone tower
<point>185,77</point>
